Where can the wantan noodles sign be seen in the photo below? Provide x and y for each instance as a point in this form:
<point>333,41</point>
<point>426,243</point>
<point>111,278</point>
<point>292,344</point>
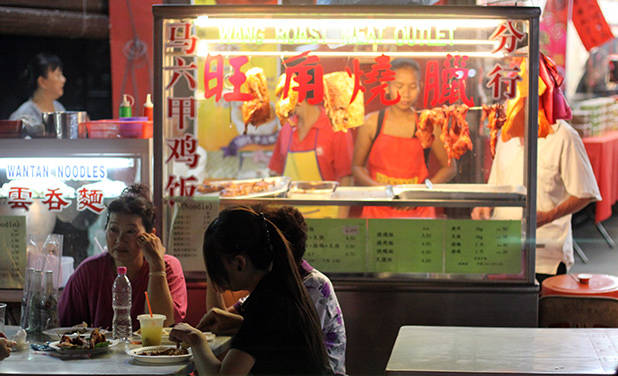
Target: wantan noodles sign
<point>64,171</point>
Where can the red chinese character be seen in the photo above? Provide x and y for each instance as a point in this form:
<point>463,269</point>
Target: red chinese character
<point>183,150</point>
<point>91,199</point>
<point>20,198</point>
<point>179,107</point>
<point>303,76</point>
<point>179,36</point>
<point>381,73</point>
<point>509,36</point>
<point>237,79</point>
<point>181,69</point>
<point>357,74</point>
<point>54,200</point>
<point>180,187</point>
<point>213,75</point>
<point>499,78</point>
<point>446,85</point>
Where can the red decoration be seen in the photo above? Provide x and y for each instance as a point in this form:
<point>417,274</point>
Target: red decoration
<point>216,75</point>
<point>183,150</point>
<point>590,24</point>
<point>446,85</point>
<point>237,79</point>
<point>91,199</point>
<point>54,200</point>
<point>301,74</point>
<point>381,73</point>
<point>20,198</point>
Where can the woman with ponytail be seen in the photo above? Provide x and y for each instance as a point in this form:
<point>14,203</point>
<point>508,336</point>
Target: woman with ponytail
<point>280,333</point>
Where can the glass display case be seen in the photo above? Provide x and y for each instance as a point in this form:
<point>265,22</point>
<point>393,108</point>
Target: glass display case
<point>62,186</point>
<point>232,84</point>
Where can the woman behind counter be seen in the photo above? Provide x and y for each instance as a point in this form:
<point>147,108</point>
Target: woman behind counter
<point>280,333</point>
<point>46,81</point>
<point>131,242</point>
<point>387,150</point>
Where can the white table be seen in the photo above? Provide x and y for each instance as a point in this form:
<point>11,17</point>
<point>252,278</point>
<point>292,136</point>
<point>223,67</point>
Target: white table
<point>115,362</point>
<point>442,350</point>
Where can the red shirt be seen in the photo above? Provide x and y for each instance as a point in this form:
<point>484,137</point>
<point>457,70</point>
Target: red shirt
<point>334,149</point>
<point>88,294</point>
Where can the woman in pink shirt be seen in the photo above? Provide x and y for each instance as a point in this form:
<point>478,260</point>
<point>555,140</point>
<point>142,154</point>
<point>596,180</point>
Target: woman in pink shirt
<point>131,242</point>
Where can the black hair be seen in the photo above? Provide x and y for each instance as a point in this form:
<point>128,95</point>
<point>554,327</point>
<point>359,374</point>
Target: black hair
<point>292,225</point>
<point>405,63</point>
<point>241,230</point>
<point>40,66</point>
<point>134,200</point>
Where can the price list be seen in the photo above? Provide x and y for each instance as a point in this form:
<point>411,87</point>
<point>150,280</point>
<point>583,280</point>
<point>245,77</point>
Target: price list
<point>405,245</point>
<point>480,247</point>
<point>12,251</point>
<point>190,218</point>
<point>336,245</point>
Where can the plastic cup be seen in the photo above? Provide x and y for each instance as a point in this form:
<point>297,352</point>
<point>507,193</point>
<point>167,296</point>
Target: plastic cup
<point>151,328</point>
<point>2,313</point>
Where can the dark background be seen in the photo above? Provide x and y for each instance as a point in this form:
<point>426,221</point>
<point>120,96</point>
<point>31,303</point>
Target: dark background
<point>86,66</point>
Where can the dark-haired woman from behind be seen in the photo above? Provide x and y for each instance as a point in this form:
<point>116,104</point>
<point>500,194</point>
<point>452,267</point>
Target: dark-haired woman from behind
<point>131,242</point>
<point>280,333</point>
<point>46,83</point>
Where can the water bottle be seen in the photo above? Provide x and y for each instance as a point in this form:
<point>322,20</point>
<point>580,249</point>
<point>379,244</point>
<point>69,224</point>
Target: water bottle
<point>34,314</point>
<point>121,303</point>
<point>49,303</point>
<point>25,298</point>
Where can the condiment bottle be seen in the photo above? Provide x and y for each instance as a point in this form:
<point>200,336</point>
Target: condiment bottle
<point>125,106</point>
<point>148,107</point>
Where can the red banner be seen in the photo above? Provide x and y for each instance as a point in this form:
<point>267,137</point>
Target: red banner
<point>590,23</point>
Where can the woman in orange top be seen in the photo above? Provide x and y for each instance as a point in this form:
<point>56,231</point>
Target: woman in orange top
<point>387,150</point>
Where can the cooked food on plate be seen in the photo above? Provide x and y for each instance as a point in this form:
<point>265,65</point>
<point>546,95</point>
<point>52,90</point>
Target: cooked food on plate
<point>80,342</point>
<point>256,111</point>
<point>239,188</point>
<point>170,351</point>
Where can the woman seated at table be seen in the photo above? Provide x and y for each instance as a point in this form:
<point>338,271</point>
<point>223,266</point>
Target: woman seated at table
<point>280,333</point>
<point>292,225</point>
<point>131,242</point>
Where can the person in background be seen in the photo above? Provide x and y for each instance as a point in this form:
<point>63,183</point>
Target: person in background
<point>293,226</point>
<point>280,333</point>
<point>565,185</point>
<point>308,149</point>
<point>387,152</point>
<point>131,242</point>
<point>46,81</point>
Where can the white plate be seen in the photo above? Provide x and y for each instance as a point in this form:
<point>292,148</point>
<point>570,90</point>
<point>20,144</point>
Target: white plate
<point>96,350</point>
<point>279,185</point>
<point>56,333</point>
<point>135,354</point>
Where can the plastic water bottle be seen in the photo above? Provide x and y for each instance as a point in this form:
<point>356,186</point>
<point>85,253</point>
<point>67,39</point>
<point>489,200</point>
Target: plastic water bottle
<point>121,303</point>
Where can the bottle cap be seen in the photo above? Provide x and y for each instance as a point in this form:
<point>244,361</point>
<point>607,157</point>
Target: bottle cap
<point>122,270</point>
<point>148,102</point>
<point>127,100</point>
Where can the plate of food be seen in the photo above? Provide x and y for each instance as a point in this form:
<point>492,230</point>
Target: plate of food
<point>83,328</point>
<point>92,343</point>
<point>246,188</point>
<point>163,354</point>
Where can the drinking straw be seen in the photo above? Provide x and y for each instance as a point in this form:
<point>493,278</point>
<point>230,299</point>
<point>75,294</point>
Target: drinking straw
<point>148,302</point>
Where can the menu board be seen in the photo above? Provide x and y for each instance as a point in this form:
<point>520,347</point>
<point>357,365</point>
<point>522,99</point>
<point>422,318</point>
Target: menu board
<point>12,251</point>
<point>337,245</point>
<point>190,218</point>
<point>405,245</point>
<point>483,247</point>
<point>415,246</point>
